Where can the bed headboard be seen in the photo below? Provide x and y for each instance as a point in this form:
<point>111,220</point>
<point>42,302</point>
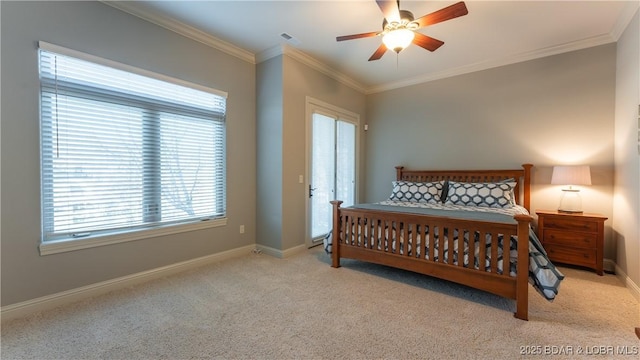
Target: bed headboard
<point>522,190</point>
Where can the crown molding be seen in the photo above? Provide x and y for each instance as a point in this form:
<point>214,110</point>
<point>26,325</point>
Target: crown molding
<point>484,65</point>
<point>183,29</point>
<point>207,39</point>
<point>270,53</point>
<point>625,18</point>
<point>284,49</point>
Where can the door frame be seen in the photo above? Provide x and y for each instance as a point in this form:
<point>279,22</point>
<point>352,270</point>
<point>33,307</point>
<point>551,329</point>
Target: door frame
<point>312,106</point>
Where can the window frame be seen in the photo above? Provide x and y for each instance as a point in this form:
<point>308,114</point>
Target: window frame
<point>53,246</point>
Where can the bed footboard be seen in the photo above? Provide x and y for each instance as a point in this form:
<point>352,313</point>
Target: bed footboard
<point>469,252</point>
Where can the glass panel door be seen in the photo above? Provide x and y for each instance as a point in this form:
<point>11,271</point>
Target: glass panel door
<point>323,174</point>
<point>345,162</point>
<point>333,170</point>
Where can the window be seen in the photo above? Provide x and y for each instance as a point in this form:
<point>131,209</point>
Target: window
<point>124,150</point>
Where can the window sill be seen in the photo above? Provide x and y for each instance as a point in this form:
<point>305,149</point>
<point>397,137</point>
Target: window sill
<point>60,246</point>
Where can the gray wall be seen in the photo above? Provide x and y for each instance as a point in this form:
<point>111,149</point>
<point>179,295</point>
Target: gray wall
<point>269,124</point>
<point>627,155</point>
<point>101,30</point>
<point>301,81</point>
<point>279,191</point>
<point>495,118</point>
<point>553,110</point>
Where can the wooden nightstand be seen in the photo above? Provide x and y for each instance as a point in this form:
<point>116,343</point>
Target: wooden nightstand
<point>572,238</point>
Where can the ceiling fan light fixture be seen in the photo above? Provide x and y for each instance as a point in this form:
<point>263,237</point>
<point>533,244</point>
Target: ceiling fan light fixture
<point>399,27</point>
<point>398,40</point>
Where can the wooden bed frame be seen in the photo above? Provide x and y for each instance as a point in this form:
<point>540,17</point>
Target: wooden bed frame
<point>351,223</point>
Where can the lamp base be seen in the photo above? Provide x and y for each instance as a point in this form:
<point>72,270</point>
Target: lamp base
<point>570,211</point>
<point>570,202</point>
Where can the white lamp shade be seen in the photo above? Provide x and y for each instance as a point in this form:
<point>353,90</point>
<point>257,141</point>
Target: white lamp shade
<point>397,40</point>
<point>571,175</point>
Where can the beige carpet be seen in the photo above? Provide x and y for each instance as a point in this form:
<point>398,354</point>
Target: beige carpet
<point>260,307</point>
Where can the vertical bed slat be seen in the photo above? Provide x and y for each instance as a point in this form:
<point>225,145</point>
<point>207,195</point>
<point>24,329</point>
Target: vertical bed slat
<point>349,237</point>
<point>482,253</point>
<point>354,231</point>
<point>441,235</point>
<point>384,235</point>
<point>366,232</point>
<point>451,240</point>
<point>494,252</point>
<point>460,248</point>
<point>472,249</point>
<point>388,238</point>
<point>423,242</point>
<point>376,233</point>
<point>370,239</point>
<point>428,231</point>
<point>345,230</point>
<point>405,238</point>
<point>359,232</point>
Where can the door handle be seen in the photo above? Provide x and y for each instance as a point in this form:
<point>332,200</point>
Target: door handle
<point>311,190</point>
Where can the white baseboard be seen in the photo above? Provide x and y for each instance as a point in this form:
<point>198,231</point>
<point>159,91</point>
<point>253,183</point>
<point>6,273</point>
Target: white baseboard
<point>50,301</point>
<point>633,287</point>
<point>281,254</point>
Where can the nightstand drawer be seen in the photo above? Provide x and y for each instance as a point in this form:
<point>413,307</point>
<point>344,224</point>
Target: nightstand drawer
<point>568,255</point>
<point>570,238</point>
<point>571,224</point>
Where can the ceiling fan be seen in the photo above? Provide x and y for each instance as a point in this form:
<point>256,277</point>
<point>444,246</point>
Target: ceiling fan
<point>399,27</point>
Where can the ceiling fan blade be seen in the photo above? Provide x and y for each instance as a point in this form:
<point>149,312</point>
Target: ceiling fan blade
<point>357,36</point>
<point>379,52</point>
<point>390,9</point>
<point>427,42</point>
<point>444,14</point>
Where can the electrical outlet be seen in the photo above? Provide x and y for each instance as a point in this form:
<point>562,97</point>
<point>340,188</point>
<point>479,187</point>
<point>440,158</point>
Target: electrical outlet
<point>241,229</point>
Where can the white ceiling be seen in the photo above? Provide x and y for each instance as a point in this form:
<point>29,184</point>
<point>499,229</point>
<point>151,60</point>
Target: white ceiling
<point>494,33</point>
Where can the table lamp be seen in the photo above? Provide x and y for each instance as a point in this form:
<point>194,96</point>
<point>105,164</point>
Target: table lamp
<point>571,202</point>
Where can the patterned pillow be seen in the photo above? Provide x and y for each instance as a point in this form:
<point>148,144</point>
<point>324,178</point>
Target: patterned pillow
<point>513,194</point>
<point>417,192</point>
<point>495,195</point>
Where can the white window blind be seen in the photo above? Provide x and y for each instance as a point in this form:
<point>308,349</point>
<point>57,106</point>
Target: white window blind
<point>124,152</point>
